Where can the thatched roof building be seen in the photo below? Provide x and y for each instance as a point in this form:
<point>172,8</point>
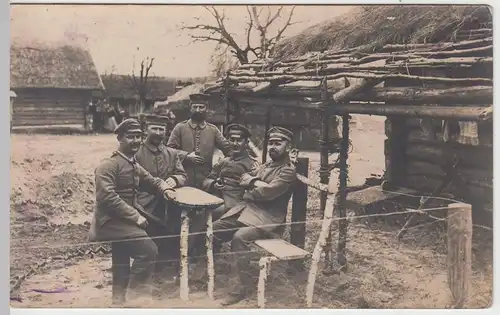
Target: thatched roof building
<point>372,26</point>
<point>54,84</point>
<point>51,66</point>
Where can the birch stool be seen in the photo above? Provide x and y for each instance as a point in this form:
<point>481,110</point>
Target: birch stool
<point>278,250</point>
<point>191,200</point>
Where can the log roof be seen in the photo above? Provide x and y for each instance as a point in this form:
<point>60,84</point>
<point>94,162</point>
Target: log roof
<point>446,75</point>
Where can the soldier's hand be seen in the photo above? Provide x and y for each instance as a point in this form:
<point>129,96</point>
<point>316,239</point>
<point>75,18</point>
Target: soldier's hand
<point>170,194</point>
<point>194,158</point>
<point>218,184</point>
<point>259,183</point>
<point>170,183</point>
<point>142,222</point>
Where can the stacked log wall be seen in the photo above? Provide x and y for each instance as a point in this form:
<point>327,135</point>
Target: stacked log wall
<point>415,158</point>
<point>48,107</point>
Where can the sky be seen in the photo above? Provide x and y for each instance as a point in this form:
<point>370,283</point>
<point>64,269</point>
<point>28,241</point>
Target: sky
<point>120,36</point>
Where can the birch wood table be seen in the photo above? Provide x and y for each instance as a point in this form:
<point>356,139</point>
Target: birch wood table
<point>191,200</point>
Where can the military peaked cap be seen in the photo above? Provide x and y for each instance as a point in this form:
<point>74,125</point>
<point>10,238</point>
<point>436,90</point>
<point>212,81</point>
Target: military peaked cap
<point>153,119</point>
<point>280,133</point>
<point>130,125</point>
<point>199,98</point>
<point>237,129</point>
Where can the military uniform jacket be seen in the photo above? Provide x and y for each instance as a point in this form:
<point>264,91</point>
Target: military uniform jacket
<point>161,162</point>
<point>203,139</point>
<point>230,169</point>
<point>117,181</point>
<point>266,205</point>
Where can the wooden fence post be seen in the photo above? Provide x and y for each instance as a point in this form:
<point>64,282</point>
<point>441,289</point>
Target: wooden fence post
<point>299,209</point>
<point>459,251</point>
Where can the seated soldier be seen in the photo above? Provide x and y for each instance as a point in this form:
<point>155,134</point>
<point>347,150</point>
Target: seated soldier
<point>162,162</point>
<point>262,213</point>
<point>224,181</point>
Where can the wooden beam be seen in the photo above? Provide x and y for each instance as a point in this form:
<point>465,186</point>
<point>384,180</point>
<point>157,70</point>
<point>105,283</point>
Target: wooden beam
<point>459,252</point>
<point>266,134</point>
<point>341,196</point>
<point>443,112</point>
<point>415,95</point>
<point>299,210</point>
<point>364,75</point>
<point>324,172</point>
<point>403,65</point>
<point>400,95</point>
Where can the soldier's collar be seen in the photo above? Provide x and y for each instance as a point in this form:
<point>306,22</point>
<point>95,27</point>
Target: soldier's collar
<point>152,148</point>
<point>241,156</point>
<point>280,162</point>
<point>130,160</point>
<point>194,125</point>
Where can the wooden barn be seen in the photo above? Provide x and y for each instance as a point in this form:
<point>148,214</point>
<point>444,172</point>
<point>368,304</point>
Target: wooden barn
<point>122,90</point>
<point>53,83</point>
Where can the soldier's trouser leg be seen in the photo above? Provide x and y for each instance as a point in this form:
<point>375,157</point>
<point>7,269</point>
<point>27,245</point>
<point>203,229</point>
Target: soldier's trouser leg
<point>120,267</point>
<point>240,243</point>
<point>144,253</point>
<point>173,233</point>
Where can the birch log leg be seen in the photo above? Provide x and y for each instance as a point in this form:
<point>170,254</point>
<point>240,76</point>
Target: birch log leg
<point>265,265</point>
<point>184,255</point>
<point>210,256</point>
<point>325,230</point>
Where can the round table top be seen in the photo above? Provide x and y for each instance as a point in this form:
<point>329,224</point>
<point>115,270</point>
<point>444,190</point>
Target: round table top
<point>196,198</point>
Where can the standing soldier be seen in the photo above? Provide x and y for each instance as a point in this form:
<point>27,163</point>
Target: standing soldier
<point>162,162</point>
<point>118,217</point>
<point>198,140</point>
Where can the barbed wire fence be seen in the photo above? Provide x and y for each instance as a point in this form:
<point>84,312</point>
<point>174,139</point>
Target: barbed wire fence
<point>92,249</point>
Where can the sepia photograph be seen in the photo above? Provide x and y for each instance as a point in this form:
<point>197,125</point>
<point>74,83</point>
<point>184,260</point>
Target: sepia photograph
<point>251,156</point>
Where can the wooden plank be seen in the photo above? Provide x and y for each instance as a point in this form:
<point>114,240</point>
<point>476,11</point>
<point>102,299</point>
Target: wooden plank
<point>282,249</point>
<point>414,95</point>
<point>434,111</point>
<point>459,257</point>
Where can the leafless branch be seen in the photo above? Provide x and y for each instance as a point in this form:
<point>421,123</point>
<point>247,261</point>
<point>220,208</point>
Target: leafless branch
<point>217,31</point>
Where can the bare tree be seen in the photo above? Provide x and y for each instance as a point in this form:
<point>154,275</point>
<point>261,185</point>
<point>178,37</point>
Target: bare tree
<point>222,61</point>
<point>140,82</point>
<point>260,21</point>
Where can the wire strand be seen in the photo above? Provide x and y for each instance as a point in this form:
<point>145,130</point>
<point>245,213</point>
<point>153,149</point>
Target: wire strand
<point>234,229</point>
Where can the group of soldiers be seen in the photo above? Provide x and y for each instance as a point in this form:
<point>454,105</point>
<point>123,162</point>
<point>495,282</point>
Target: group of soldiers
<point>135,190</point>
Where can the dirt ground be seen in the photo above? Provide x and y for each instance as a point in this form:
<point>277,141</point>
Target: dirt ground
<point>51,204</point>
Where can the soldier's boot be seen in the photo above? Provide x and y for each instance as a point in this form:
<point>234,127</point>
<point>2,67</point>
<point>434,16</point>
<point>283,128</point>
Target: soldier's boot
<point>141,279</point>
<point>239,294</point>
<point>120,272</point>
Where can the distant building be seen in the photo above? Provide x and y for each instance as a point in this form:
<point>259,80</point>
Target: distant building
<point>54,85</point>
<point>122,90</point>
